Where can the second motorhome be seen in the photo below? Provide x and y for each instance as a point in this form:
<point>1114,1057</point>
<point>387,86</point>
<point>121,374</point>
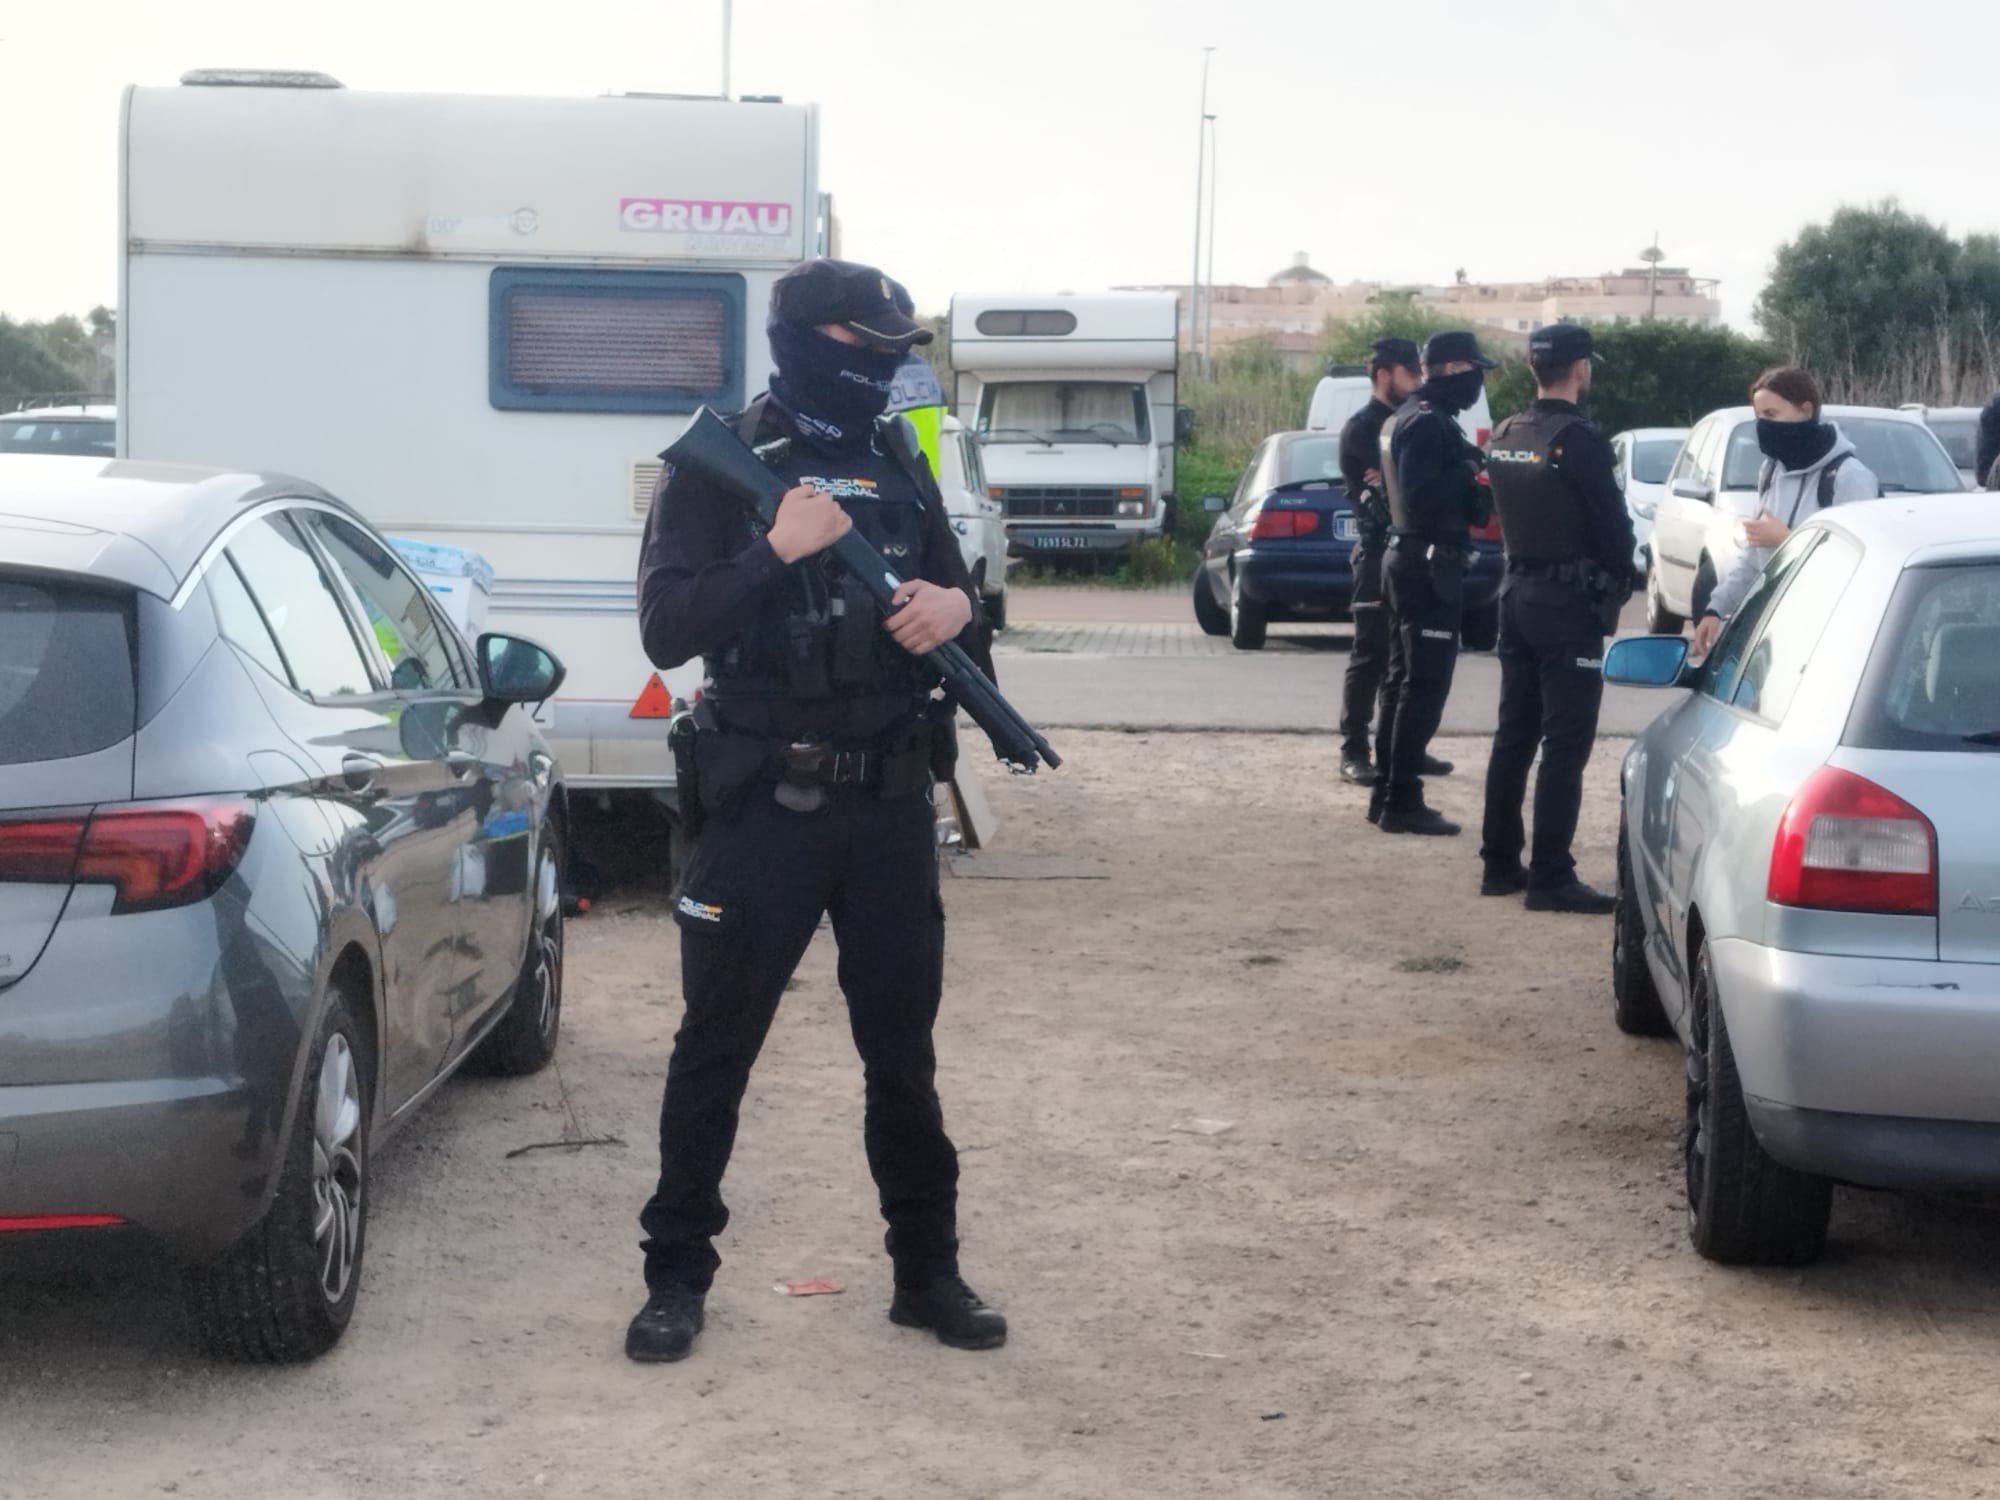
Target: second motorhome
<point>1073,400</point>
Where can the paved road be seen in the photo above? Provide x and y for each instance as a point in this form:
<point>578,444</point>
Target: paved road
<point>1088,658</point>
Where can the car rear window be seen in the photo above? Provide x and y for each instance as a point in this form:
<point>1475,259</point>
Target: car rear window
<point>1960,436</point>
<point>89,436</point>
<point>1308,459</point>
<point>66,680</point>
<point>1933,678</point>
<point>1653,457</point>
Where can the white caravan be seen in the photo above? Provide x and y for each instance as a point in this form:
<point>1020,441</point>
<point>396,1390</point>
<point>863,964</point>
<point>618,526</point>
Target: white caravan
<point>1072,398</point>
<point>477,319</point>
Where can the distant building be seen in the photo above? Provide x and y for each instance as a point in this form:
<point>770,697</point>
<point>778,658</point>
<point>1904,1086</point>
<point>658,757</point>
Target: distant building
<point>1291,310</point>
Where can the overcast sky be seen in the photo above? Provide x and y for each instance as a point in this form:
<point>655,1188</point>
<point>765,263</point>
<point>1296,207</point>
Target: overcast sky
<point>1051,143</point>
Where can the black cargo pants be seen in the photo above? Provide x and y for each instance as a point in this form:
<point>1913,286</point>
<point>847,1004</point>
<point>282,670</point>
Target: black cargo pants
<point>756,886</point>
<point>1551,684</point>
<point>1368,660</point>
<point>1426,599</point>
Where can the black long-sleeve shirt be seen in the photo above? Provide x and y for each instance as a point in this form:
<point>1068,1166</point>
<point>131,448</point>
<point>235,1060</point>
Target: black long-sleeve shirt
<point>704,570</point>
<point>1440,493</point>
<point>1582,455</point>
<point>1989,442</point>
<point>1360,451</point>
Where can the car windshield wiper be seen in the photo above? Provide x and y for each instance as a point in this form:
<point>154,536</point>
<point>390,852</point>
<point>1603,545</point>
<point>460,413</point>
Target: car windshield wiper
<point>1984,737</point>
<point>1025,432</point>
<point>1086,432</point>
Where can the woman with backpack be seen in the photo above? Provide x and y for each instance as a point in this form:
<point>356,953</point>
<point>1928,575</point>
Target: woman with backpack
<point>1807,464</point>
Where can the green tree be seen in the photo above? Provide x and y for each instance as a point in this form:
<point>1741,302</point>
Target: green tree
<point>1393,314</point>
<point>65,356</point>
<point>1886,306</point>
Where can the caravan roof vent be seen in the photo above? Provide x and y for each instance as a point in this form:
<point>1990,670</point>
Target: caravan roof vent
<point>258,78</point>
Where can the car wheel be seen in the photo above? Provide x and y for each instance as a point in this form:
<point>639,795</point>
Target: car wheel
<point>1659,619</point>
<point>1704,587</point>
<point>1210,616</point>
<point>1635,1003</point>
<point>1246,619</point>
<point>1744,1208</point>
<point>1479,627</point>
<point>286,1291</point>
<point>525,1040</point>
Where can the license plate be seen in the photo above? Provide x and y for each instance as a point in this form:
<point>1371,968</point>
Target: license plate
<point>1059,543</point>
<point>1344,529</point>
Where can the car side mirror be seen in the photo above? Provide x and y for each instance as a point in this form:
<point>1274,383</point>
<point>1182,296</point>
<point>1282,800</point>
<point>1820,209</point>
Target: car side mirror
<point>512,670</point>
<point>1652,661</point>
<point>1215,505</point>
<point>1693,489</point>
<point>1183,423</point>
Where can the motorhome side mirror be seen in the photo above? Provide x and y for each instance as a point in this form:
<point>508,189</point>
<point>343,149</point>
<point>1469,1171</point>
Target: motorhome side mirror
<point>1653,661</point>
<point>1183,424</point>
<point>1693,489</point>
<point>1215,505</point>
<point>512,670</point>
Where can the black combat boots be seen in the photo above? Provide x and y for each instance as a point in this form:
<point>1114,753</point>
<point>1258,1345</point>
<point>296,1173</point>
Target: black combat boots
<point>666,1326</point>
<point>951,1310</point>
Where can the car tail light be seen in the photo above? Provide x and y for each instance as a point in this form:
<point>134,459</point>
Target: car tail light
<point>40,853</point>
<point>1489,529</point>
<point>1267,524</point>
<point>1481,434</point>
<point>25,1223</point>
<point>1846,844</point>
<point>153,855</point>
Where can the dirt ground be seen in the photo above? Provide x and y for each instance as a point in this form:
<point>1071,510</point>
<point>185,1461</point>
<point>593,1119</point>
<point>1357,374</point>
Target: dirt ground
<point>1437,1251</point>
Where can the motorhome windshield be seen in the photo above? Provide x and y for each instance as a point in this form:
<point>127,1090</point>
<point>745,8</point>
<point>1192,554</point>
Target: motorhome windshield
<point>1041,411</point>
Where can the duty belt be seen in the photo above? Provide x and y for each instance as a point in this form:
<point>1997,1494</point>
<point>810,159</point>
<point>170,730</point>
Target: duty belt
<point>1437,549</point>
<point>821,763</point>
<point>1539,567</point>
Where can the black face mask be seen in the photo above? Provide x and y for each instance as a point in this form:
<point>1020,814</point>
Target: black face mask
<point>1794,445</point>
<point>834,391</point>
<point>1454,393</point>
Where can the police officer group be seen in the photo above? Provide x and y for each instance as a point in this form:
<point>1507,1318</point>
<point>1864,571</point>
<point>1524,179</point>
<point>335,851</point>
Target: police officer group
<point>1550,475</point>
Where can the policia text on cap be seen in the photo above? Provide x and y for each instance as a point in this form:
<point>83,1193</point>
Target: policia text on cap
<point>815,756</point>
<point>1569,569</point>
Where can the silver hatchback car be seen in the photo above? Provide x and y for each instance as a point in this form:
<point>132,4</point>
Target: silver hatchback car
<point>279,851</point>
<point>1809,874</point>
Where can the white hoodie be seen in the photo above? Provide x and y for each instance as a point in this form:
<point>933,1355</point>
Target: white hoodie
<point>1792,496</point>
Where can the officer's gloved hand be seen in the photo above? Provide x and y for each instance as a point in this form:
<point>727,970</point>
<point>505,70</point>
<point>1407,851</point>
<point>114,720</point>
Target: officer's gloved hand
<point>927,615</point>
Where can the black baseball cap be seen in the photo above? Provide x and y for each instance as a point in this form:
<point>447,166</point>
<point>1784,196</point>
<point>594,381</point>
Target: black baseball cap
<point>1453,345</point>
<point>1561,343</point>
<point>858,297</point>
<point>1389,352</point>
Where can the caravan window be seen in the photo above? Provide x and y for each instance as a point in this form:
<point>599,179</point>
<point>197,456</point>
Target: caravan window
<point>1047,322</point>
<point>1045,411</point>
<point>615,341</point>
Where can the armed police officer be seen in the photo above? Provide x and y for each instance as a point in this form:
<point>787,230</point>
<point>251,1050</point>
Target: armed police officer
<point>1393,373</point>
<point>1430,469</point>
<point>1569,570</point>
<point>812,767</point>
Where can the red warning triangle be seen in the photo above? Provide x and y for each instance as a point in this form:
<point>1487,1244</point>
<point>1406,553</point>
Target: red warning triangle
<point>654,701</point>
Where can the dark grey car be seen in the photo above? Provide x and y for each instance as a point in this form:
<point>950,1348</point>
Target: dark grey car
<point>278,852</point>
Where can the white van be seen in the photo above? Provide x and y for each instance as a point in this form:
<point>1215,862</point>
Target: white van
<point>477,319</point>
<point>1345,389</point>
<point>1073,401</point>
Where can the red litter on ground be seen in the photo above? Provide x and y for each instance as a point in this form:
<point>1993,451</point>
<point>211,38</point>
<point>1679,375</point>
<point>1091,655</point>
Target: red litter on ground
<point>815,1288</point>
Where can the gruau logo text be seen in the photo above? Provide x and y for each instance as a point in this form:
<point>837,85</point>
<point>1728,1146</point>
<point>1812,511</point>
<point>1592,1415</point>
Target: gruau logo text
<point>705,216</point>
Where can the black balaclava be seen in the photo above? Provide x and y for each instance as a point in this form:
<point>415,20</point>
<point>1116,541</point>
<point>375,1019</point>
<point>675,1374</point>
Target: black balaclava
<point>1453,393</point>
<point>833,391</point>
<point>1795,445</point>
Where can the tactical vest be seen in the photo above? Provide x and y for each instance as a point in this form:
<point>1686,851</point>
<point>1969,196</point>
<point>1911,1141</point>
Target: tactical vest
<point>815,659</point>
<point>1447,530</point>
<point>1541,513</point>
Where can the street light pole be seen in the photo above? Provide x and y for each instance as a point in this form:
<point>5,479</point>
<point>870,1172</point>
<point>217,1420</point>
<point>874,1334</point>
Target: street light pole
<point>1214,176</point>
<point>1652,255</point>
<point>727,27</point>
<point>1200,163</point>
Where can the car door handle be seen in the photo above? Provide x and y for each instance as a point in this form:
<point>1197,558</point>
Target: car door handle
<point>359,772</point>
<point>462,762</point>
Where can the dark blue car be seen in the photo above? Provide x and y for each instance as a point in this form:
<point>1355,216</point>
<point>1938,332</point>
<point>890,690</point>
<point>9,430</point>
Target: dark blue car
<point>1282,549</point>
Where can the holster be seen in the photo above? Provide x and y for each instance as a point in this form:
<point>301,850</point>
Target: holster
<point>943,722</point>
<point>687,774</point>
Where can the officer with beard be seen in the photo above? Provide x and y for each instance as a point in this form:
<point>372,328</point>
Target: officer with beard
<point>1431,470</point>
<point>1569,550</point>
<point>812,767</point>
